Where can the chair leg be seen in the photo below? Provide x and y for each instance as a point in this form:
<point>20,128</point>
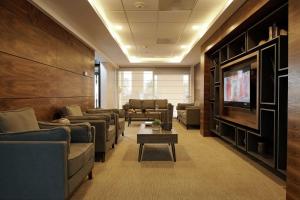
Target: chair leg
<point>90,175</point>
<point>123,133</point>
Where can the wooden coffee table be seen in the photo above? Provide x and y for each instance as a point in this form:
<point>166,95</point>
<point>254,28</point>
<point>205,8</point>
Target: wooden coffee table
<point>147,136</point>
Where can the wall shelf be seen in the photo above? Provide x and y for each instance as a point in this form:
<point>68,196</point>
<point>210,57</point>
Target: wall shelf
<point>261,131</point>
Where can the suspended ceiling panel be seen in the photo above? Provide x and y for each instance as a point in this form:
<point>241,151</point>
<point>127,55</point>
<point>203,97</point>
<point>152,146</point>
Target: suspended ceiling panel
<point>163,29</point>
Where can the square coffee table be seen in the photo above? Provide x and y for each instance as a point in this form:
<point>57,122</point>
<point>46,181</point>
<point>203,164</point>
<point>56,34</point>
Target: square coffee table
<point>147,136</point>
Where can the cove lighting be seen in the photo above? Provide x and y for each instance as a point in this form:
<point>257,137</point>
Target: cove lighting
<point>200,30</point>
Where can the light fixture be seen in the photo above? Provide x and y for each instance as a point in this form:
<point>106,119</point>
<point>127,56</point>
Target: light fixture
<point>183,46</point>
<point>127,46</point>
<point>195,27</point>
<point>118,27</point>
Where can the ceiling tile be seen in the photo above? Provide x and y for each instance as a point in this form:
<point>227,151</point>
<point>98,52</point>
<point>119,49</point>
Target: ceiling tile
<point>143,29</point>
<point>142,16</point>
<point>177,4</point>
<point>169,30</point>
<point>116,16</point>
<point>144,41</point>
<point>209,4</point>
<point>111,4</point>
<point>148,5</point>
<point>173,16</point>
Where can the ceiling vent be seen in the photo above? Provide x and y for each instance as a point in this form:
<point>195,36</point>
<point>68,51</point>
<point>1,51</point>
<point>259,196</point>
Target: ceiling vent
<point>176,4</point>
<point>165,41</point>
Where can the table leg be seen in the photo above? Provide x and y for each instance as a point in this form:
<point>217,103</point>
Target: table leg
<point>140,152</point>
<point>129,121</point>
<point>173,152</point>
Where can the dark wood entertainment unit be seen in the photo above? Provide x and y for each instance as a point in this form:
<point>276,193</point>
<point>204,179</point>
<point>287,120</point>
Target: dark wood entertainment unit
<point>261,130</point>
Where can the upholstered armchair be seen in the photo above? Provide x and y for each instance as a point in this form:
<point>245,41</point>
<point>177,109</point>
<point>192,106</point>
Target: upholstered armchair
<point>41,160</point>
<point>105,128</point>
<point>119,118</point>
<point>188,114</point>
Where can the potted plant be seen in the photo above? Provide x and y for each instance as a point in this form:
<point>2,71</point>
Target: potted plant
<point>156,124</point>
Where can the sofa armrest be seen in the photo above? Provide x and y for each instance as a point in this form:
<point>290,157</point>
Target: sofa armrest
<point>182,106</point>
<point>55,134</point>
<point>80,132</point>
<point>193,115</point>
<point>33,170</point>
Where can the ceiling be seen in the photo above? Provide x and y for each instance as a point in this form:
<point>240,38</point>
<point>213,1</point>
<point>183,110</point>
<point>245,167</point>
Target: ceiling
<point>160,33</point>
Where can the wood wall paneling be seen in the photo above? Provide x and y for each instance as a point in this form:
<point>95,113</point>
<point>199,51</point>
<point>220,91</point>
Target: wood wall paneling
<point>41,64</point>
<point>293,157</point>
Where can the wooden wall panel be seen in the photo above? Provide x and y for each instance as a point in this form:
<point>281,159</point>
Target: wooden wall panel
<point>44,106</point>
<point>244,12</point>
<point>21,78</point>
<point>293,163</point>
<point>41,64</point>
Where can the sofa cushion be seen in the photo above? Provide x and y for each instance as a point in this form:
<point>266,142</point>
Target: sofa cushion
<point>135,103</point>
<point>18,120</point>
<point>161,103</point>
<point>111,133</point>
<point>148,103</point>
<point>80,154</point>
<point>73,110</point>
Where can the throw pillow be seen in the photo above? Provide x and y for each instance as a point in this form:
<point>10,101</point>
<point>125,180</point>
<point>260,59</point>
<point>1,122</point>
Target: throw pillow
<point>18,120</point>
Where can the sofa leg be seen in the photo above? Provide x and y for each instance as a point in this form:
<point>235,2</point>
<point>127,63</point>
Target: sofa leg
<point>113,146</point>
<point>90,175</point>
<point>103,156</point>
<point>123,133</point>
<point>187,126</point>
<point>98,156</point>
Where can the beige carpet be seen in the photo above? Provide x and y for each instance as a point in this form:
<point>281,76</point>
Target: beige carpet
<point>206,168</point>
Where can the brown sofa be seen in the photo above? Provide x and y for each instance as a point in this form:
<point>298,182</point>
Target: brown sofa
<point>148,109</point>
<point>188,114</point>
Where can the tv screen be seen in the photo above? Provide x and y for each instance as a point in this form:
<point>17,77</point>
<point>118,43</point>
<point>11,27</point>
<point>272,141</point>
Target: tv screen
<point>237,87</point>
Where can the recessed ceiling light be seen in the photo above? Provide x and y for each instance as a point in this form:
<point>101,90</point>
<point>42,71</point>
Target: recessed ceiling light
<point>183,46</point>
<point>127,46</point>
<point>118,27</point>
<point>195,27</point>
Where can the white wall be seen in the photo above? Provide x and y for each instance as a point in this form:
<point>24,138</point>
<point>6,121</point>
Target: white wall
<point>108,86</point>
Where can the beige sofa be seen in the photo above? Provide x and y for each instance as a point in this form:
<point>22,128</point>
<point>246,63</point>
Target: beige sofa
<point>148,109</point>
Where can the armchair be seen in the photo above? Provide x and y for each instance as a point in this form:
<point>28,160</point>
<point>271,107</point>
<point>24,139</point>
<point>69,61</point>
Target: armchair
<point>188,114</point>
<point>119,118</point>
<point>105,130</point>
<point>42,163</point>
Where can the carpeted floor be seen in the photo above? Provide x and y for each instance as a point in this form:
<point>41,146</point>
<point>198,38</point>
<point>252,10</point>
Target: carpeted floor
<point>206,168</point>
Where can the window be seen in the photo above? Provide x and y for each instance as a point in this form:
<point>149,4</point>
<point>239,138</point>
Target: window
<point>172,84</point>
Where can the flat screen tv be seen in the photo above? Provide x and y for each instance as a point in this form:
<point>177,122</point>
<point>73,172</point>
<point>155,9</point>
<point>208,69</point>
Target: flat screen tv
<point>237,83</point>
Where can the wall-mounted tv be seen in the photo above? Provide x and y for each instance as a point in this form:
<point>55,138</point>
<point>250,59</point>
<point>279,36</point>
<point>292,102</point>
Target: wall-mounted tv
<point>237,84</point>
